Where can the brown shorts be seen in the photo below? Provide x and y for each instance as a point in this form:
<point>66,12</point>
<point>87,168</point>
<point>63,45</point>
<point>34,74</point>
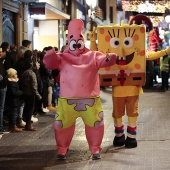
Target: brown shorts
<point>130,104</point>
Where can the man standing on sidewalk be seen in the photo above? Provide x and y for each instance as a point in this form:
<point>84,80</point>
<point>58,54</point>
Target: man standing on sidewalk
<point>3,88</point>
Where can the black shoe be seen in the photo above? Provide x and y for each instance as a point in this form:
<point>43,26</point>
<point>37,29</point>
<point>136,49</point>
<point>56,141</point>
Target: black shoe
<point>40,112</point>
<point>102,87</point>
<point>161,89</point>
<point>130,143</point>
<point>61,157</point>
<point>119,141</point>
<point>4,131</point>
<point>96,156</point>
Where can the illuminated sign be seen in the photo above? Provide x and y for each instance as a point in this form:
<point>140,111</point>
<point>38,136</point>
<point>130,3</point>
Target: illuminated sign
<point>148,6</point>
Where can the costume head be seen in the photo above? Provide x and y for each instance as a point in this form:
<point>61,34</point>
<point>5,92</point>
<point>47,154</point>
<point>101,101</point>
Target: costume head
<point>75,37</point>
<point>128,42</point>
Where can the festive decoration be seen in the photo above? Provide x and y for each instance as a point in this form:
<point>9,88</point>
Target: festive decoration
<point>148,6</point>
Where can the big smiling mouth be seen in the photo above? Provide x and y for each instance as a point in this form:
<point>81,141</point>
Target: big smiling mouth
<point>125,60</point>
<point>78,53</point>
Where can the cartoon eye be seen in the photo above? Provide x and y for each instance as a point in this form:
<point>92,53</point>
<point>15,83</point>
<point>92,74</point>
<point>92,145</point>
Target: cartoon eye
<point>73,45</point>
<point>114,42</point>
<point>80,44</point>
<point>128,42</point>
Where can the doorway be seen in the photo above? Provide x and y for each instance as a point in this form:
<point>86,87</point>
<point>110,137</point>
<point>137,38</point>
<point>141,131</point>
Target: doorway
<point>8,27</point>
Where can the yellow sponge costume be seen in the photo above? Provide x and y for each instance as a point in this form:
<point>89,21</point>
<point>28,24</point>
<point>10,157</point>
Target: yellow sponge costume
<point>128,74</point>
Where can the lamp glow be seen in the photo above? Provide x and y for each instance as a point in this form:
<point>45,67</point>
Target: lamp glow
<point>91,3</point>
<point>35,16</point>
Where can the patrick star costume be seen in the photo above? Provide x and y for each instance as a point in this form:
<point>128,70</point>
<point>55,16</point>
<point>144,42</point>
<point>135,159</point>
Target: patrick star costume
<point>79,90</point>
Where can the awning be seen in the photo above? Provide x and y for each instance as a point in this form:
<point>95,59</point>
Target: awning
<point>45,11</point>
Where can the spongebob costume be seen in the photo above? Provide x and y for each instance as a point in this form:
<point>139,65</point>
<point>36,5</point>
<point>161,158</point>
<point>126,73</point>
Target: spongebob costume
<point>79,90</point>
<point>127,76</point>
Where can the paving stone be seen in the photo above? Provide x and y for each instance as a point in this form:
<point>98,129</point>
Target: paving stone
<point>37,150</point>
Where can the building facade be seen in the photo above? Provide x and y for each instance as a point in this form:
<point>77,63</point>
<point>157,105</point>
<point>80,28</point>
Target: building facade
<point>45,22</point>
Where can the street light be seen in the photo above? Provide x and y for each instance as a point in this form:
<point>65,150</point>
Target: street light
<point>91,4</point>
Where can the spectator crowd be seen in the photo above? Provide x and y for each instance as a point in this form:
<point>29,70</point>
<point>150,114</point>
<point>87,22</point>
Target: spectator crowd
<point>27,88</point>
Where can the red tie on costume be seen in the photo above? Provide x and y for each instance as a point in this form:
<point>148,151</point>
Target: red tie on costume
<point>122,73</point>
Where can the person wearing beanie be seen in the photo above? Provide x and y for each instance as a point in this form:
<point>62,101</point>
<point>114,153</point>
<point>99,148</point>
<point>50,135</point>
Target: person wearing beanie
<point>12,99</point>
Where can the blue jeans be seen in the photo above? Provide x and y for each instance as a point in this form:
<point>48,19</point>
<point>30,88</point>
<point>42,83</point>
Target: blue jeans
<point>56,91</point>
<point>13,113</point>
<point>2,103</point>
<point>20,108</point>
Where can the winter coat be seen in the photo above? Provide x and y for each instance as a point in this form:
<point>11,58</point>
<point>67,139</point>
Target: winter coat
<point>13,93</point>
<point>3,76</point>
<point>9,61</point>
<point>28,83</point>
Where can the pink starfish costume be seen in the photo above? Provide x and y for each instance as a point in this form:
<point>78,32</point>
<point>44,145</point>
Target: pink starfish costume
<point>79,89</point>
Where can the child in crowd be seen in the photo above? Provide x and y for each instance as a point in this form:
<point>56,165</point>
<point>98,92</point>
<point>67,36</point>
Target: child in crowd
<point>12,99</point>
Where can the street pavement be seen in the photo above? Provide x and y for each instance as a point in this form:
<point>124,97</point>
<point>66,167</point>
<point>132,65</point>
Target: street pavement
<point>37,150</point>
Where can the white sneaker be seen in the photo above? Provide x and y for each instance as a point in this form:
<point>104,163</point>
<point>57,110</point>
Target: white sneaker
<point>3,131</point>
<point>45,110</point>
<point>34,119</point>
<point>23,123</point>
<point>0,136</point>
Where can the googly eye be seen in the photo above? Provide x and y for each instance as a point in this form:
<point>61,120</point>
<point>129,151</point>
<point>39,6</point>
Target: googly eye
<point>72,45</point>
<point>80,44</point>
<point>114,42</point>
<point>128,42</point>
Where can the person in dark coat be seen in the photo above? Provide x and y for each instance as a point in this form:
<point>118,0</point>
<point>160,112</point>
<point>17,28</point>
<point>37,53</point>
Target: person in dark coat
<point>3,88</point>
<point>19,66</point>
<point>12,99</point>
<point>13,52</point>
<point>29,86</point>
<point>9,61</point>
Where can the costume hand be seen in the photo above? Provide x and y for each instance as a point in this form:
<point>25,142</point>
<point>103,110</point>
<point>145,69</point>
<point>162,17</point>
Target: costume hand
<point>111,56</point>
<point>93,45</point>
<point>93,35</point>
<point>50,59</point>
<point>167,50</point>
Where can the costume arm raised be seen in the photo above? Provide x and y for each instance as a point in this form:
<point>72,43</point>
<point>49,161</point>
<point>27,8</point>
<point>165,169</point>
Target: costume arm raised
<point>93,45</point>
<point>158,54</point>
<point>52,60</point>
<point>105,60</point>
